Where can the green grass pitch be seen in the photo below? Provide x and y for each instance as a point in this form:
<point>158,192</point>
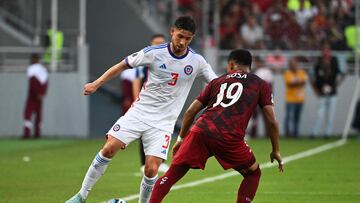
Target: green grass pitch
<point>51,170</point>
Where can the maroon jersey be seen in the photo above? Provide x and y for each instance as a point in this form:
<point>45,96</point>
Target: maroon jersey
<point>230,101</point>
<point>36,89</point>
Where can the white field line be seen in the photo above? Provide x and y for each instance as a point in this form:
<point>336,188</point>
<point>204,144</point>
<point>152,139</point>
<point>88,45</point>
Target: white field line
<point>287,159</point>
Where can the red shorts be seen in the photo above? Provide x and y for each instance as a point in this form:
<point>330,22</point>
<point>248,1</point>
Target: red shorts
<point>198,147</point>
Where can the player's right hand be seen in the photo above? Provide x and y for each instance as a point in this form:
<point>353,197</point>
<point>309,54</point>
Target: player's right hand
<point>277,157</point>
<point>89,88</point>
<point>176,147</point>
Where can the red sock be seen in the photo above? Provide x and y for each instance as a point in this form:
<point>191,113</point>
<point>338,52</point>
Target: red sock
<point>249,186</point>
<point>165,182</point>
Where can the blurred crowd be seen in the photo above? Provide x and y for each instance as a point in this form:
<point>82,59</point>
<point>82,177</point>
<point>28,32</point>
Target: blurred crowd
<point>281,24</point>
<point>286,24</point>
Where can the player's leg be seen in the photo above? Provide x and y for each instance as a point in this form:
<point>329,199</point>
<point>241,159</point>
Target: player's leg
<point>142,156</point>
<point>38,118</point>
<point>117,138</point>
<point>164,183</point>
<point>152,164</point>
<point>193,153</point>
<point>249,184</point>
<point>28,125</point>
<point>156,145</point>
<point>240,158</point>
<point>97,168</point>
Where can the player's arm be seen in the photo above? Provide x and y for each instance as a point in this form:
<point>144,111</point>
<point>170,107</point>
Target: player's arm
<point>273,130</point>
<point>207,72</point>
<point>90,88</point>
<point>188,119</point>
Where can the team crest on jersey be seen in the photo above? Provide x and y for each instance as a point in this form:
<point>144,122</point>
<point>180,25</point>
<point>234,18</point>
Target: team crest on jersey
<point>116,127</point>
<point>188,69</point>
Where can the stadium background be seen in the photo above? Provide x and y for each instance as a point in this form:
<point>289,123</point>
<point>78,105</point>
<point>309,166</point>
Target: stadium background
<point>109,31</point>
<point>100,33</point>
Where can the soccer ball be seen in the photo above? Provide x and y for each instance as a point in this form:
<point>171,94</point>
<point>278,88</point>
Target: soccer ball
<point>116,201</point>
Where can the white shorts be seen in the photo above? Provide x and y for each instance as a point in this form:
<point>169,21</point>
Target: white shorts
<point>156,142</point>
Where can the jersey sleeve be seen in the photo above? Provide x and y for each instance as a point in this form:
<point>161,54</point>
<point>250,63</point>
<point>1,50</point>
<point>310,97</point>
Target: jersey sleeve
<point>206,71</point>
<point>266,96</point>
<point>140,58</point>
<point>204,96</point>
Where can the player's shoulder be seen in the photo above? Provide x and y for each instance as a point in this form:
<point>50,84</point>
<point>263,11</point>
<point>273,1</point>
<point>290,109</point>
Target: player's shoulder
<point>252,79</point>
<point>195,54</point>
<point>253,76</point>
<point>154,48</point>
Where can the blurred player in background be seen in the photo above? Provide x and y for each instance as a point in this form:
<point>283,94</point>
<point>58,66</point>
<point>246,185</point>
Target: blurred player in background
<point>38,81</point>
<point>229,102</point>
<point>172,69</point>
<point>132,81</point>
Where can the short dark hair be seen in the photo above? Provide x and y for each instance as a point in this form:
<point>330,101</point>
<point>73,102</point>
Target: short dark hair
<point>34,58</point>
<point>157,35</point>
<point>241,57</point>
<point>185,23</point>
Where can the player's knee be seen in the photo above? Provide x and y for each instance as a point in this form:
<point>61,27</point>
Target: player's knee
<point>150,170</point>
<point>253,170</point>
<point>111,147</point>
<point>256,172</point>
<point>107,151</point>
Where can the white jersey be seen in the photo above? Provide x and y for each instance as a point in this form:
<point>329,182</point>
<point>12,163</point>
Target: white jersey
<point>168,84</point>
<point>39,71</point>
<point>266,74</point>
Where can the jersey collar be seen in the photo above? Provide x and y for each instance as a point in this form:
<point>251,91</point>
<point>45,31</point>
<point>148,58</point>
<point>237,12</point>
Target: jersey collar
<point>177,57</point>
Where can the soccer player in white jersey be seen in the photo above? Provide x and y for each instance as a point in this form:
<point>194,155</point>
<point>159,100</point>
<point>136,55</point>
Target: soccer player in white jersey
<point>132,82</point>
<point>172,68</point>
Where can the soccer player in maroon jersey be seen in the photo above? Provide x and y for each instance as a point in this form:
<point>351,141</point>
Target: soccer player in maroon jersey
<point>38,82</point>
<point>219,131</point>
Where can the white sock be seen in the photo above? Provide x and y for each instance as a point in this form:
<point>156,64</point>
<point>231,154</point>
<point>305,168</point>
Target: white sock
<point>146,188</point>
<point>95,171</point>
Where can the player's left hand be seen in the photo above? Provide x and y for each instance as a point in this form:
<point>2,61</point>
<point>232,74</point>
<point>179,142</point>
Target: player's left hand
<point>89,88</point>
<point>176,147</point>
<point>277,157</point>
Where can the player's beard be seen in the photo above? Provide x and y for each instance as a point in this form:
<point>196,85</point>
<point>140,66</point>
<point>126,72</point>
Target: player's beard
<point>178,49</point>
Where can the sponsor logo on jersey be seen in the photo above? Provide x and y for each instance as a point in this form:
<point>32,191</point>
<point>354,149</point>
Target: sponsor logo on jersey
<point>163,66</point>
<point>116,127</point>
<point>188,69</point>
<point>163,151</point>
